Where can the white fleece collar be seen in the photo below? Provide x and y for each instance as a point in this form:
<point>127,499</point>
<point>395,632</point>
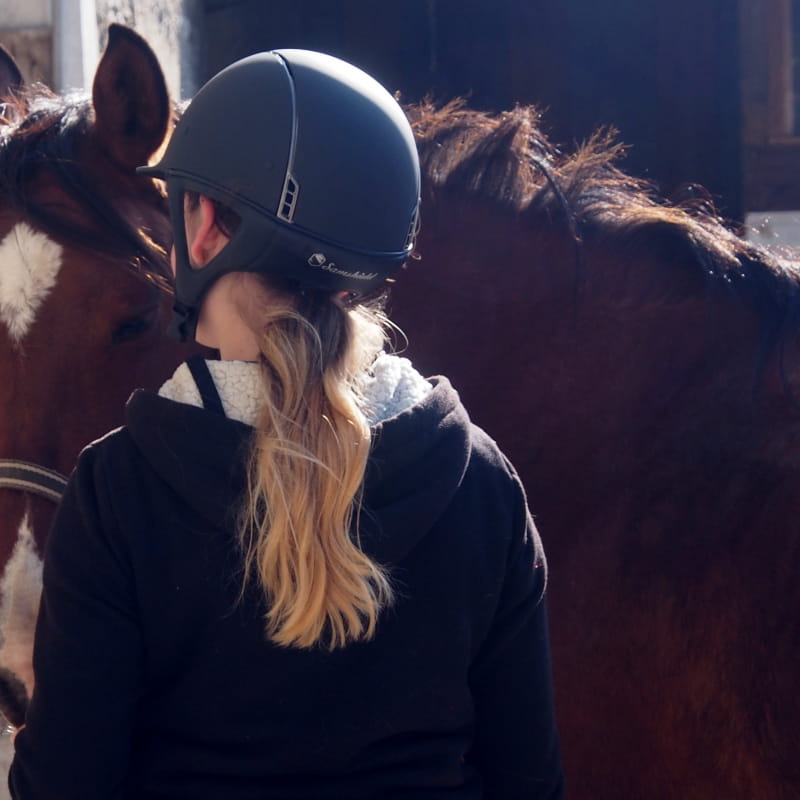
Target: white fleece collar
<point>391,386</point>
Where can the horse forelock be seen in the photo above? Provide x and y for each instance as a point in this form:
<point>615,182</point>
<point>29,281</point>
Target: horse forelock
<point>49,134</point>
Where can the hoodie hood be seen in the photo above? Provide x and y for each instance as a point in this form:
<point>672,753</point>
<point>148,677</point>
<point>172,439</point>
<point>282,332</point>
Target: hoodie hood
<point>417,462</point>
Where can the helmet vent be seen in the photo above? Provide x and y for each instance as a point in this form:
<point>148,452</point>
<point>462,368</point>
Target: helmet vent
<point>288,199</point>
<point>413,229</point>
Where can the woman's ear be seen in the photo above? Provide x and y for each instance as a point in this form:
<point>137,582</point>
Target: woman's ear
<point>203,235</point>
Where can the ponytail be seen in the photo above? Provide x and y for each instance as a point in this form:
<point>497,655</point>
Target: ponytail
<point>299,526</point>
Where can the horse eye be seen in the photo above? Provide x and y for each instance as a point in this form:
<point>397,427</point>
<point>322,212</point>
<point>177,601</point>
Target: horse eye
<point>133,328</point>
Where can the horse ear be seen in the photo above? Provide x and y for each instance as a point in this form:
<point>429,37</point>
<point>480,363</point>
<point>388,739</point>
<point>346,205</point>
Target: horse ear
<point>11,81</point>
<point>131,102</point>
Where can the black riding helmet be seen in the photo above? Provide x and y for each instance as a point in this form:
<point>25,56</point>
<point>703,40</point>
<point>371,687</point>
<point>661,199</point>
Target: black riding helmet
<point>318,161</point>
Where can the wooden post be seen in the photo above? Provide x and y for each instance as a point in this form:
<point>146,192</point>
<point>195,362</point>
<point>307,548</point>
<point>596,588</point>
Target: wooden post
<point>75,43</point>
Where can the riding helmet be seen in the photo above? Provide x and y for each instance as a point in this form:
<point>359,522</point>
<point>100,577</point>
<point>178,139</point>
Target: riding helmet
<point>318,161</point>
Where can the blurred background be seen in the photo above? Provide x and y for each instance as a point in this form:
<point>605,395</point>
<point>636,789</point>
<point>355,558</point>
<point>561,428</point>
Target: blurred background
<point>703,92</point>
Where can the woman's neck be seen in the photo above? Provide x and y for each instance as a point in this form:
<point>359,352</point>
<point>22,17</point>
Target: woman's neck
<point>221,325</point>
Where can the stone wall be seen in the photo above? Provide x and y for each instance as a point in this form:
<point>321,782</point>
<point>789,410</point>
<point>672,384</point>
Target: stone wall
<point>26,31</point>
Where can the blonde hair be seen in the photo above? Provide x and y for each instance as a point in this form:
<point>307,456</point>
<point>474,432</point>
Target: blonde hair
<point>299,528</point>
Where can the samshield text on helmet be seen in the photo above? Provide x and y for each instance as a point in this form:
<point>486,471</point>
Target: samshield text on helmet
<point>318,161</point>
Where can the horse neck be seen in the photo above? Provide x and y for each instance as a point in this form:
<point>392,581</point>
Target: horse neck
<point>615,363</point>
<point>646,375</point>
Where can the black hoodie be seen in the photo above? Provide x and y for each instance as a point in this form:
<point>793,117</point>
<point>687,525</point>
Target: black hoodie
<point>153,680</point>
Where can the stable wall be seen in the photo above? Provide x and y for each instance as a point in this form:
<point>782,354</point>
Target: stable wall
<point>665,74</point>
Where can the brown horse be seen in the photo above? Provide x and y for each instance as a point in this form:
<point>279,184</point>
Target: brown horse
<point>639,363</point>
<point>83,260</point>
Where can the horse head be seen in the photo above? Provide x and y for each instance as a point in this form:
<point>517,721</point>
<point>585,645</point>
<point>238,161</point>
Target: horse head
<point>84,265</point>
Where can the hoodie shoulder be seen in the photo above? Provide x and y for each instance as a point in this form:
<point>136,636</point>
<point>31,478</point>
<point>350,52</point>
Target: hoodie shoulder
<point>424,463</point>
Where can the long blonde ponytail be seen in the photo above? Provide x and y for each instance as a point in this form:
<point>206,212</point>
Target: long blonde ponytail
<point>306,473</point>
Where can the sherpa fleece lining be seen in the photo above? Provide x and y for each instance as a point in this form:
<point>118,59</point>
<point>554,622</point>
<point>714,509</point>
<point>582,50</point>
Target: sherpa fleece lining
<point>391,386</point>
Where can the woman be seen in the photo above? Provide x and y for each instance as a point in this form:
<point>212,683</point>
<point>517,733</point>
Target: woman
<point>298,571</point>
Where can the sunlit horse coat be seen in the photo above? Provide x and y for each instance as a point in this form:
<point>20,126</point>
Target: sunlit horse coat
<point>152,681</point>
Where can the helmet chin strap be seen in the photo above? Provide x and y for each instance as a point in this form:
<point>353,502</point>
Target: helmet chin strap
<point>184,316</point>
<point>183,324</point>
<point>191,284</point>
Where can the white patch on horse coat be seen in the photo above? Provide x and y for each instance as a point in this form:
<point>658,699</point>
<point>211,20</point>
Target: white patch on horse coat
<point>29,264</point>
<point>6,757</point>
<point>20,589</point>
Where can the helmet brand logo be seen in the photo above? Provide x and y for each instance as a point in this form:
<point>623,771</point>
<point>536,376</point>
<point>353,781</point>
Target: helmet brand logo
<point>321,260</point>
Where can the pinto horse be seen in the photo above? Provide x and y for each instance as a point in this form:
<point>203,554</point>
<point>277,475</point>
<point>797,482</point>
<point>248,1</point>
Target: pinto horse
<point>83,262</point>
<point>639,363</point>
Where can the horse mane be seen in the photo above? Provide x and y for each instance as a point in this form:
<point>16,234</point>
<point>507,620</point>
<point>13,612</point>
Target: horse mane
<point>506,160</point>
<point>40,130</point>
